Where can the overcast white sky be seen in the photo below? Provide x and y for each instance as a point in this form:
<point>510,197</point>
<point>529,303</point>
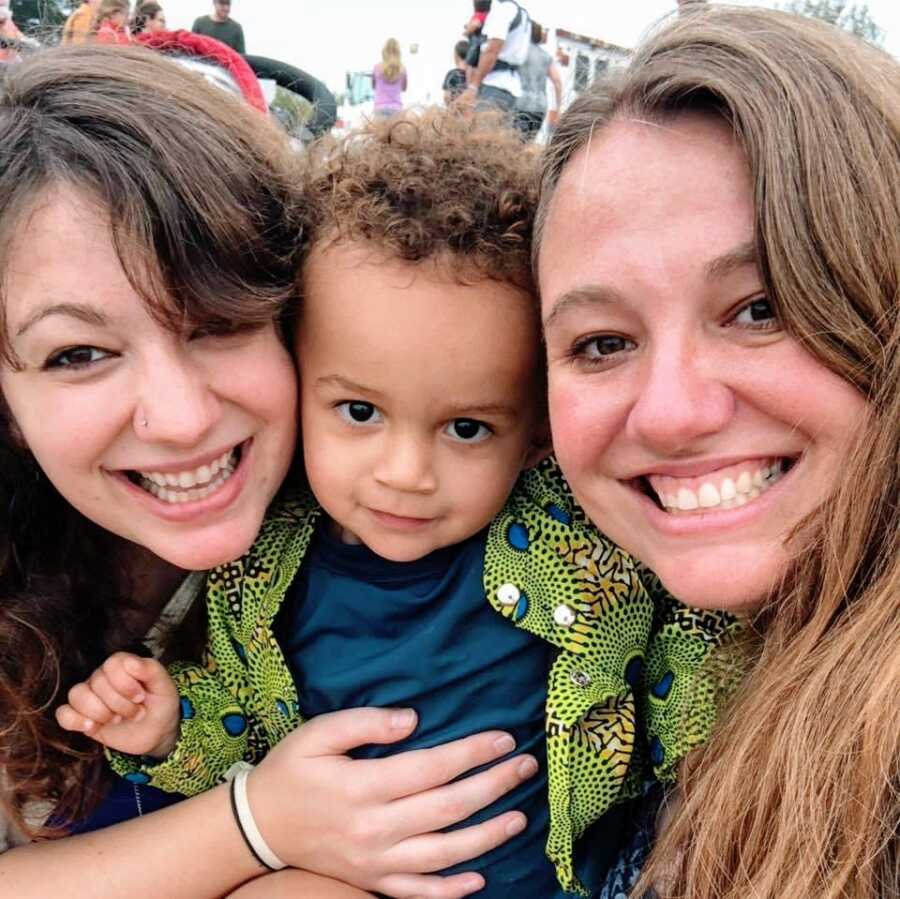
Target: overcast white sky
<point>330,37</point>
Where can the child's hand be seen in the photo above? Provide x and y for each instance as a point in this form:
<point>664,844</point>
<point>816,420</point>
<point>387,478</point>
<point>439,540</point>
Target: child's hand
<point>129,704</point>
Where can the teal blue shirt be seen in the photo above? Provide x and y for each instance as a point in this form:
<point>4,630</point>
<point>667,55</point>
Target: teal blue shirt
<point>357,629</point>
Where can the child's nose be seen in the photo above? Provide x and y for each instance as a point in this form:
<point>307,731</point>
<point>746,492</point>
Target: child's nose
<point>407,465</point>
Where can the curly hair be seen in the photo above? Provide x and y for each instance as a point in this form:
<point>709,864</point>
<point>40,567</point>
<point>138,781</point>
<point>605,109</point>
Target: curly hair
<point>429,186</point>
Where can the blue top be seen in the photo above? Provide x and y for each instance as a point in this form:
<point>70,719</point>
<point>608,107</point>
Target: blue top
<point>360,630</point>
<point>125,800</point>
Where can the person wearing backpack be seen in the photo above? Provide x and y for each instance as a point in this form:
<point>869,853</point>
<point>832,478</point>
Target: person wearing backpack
<point>494,83</point>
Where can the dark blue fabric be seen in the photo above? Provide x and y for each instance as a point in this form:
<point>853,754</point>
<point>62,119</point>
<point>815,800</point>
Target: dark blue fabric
<point>121,804</point>
<point>359,630</point>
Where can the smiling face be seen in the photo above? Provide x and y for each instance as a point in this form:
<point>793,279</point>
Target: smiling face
<point>694,431</point>
<point>175,444</point>
<point>418,398</point>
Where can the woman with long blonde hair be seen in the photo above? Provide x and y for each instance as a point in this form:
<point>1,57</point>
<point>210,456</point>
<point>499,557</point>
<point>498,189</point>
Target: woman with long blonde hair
<point>719,263</point>
<point>389,80</point>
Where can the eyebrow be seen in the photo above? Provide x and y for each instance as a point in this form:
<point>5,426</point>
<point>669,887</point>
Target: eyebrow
<point>580,297</point>
<point>343,383</point>
<point>724,265</point>
<point>598,295</point>
<point>87,314</point>
<point>462,410</point>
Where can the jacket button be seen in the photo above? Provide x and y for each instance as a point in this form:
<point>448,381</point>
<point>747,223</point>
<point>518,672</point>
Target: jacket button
<point>564,616</point>
<point>580,678</point>
<point>508,594</point>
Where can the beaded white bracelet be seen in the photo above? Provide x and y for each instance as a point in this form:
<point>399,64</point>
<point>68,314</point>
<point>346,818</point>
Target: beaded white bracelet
<point>256,843</point>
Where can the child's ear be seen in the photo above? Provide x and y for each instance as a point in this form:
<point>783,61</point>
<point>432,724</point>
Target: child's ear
<point>541,445</point>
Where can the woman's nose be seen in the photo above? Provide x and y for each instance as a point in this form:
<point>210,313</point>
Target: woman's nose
<point>679,403</point>
<point>177,403</point>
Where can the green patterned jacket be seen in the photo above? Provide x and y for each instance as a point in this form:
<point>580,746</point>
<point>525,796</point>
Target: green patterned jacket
<point>626,696</point>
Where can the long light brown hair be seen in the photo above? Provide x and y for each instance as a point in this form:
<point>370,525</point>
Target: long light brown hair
<point>200,191</point>
<point>798,792</point>
<point>391,61</point>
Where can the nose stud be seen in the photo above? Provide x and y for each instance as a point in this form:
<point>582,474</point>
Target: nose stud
<point>144,423</point>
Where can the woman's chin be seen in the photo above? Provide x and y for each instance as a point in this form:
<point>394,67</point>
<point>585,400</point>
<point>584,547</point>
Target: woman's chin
<point>735,581</point>
<point>204,552</point>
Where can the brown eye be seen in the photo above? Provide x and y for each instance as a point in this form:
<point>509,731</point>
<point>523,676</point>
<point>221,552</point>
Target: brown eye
<point>757,315</point>
<point>355,412</point>
<point>603,346</point>
<point>76,357</point>
<point>468,430</point>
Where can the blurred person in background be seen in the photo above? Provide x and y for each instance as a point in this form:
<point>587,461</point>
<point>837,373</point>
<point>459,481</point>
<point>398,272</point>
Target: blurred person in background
<point>78,25</point>
<point>8,32</point>
<point>455,79</point>
<point>149,17</point>
<point>111,22</point>
<point>221,26</point>
<point>494,82</point>
<point>389,80</point>
<point>472,31</point>
<point>531,107</point>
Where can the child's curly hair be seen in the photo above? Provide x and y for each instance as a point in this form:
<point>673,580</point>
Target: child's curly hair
<point>428,186</point>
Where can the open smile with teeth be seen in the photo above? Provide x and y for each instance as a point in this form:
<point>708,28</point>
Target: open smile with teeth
<point>726,488</point>
<point>189,485</point>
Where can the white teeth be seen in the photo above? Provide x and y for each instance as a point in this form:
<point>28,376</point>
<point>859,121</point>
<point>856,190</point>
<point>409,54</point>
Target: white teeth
<point>708,496</point>
<point>730,493</point>
<point>687,500</point>
<point>189,486</point>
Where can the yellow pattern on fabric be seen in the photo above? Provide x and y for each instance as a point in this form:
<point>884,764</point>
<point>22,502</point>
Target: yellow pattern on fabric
<point>624,698</point>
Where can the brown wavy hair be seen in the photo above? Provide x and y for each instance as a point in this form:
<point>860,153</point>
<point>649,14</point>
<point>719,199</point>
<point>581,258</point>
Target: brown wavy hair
<point>428,186</point>
<point>200,192</point>
<point>144,12</point>
<point>798,792</point>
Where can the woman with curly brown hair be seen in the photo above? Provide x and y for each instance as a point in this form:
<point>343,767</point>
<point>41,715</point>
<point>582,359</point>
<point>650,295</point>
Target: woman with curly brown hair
<point>149,245</point>
<point>719,262</point>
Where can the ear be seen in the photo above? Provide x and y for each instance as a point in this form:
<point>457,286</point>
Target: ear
<point>541,444</point>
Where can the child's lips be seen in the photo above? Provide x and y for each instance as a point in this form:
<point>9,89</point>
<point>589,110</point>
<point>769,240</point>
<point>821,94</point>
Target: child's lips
<point>400,522</point>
